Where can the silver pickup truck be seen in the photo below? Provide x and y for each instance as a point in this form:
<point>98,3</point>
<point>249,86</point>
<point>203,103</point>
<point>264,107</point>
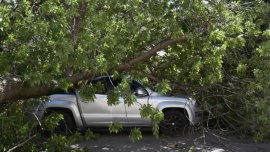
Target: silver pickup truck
<point>79,113</point>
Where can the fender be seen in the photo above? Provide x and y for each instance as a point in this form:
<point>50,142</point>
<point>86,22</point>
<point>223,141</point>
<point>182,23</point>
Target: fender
<point>179,105</point>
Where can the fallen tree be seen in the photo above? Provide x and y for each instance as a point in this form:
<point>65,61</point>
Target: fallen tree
<point>215,51</point>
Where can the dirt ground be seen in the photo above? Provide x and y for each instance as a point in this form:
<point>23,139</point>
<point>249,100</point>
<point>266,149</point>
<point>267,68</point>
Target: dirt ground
<point>193,141</point>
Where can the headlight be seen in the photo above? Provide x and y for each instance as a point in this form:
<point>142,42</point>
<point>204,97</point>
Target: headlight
<point>193,102</point>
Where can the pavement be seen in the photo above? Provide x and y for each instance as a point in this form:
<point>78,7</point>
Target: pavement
<point>190,141</point>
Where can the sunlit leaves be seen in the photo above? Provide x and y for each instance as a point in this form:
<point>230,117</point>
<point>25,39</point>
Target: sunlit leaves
<point>266,33</point>
<point>15,128</point>
<point>88,92</point>
<point>163,86</point>
<point>130,99</point>
<point>65,84</point>
<point>109,42</point>
<point>135,134</point>
<point>147,111</point>
<point>113,97</point>
<point>115,127</point>
<point>264,49</point>
<point>241,68</point>
<point>101,64</point>
<point>217,36</point>
<point>228,43</point>
<point>51,121</point>
<point>126,93</point>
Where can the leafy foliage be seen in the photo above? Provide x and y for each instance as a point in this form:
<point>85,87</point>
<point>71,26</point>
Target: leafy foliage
<point>135,134</point>
<point>216,51</point>
<point>15,130</point>
<point>147,111</point>
<point>21,131</point>
<point>241,99</point>
<point>90,135</point>
<point>115,127</point>
<point>87,92</point>
<point>113,97</point>
<point>163,87</point>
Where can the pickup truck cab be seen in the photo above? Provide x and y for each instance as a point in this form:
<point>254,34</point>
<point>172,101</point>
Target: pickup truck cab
<point>80,113</point>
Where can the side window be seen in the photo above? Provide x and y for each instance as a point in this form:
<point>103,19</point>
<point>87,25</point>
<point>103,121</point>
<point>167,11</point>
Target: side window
<point>100,81</point>
<point>109,84</point>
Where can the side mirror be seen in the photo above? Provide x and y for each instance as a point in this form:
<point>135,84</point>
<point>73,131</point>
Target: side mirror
<point>140,92</point>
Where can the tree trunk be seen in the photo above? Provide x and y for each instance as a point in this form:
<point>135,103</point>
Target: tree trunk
<point>13,87</point>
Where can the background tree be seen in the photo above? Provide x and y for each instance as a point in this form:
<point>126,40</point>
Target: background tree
<point>216,51</point>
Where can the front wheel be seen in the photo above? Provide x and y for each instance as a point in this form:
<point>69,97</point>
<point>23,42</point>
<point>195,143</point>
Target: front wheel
<point>66,126</point>
<point>173,124</point>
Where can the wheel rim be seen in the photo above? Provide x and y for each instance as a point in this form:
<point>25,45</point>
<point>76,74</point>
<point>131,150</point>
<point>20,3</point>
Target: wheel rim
<point>173,124</point>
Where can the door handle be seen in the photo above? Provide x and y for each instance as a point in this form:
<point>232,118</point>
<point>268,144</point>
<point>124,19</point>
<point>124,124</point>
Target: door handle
<point>85,101</point>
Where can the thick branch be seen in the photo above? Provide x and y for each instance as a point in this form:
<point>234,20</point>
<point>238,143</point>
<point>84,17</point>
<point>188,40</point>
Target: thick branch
<point>76,28</point>
<point>149,76</point>
<point>77,25</point>
<point>151,52</point>
<point>157,48</point>
<point>13,87</point>
<point>127,65</point>
<point>9,87</point>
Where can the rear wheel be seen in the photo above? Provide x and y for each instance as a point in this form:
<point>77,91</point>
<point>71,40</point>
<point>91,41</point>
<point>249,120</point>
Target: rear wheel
<point>173,124</point>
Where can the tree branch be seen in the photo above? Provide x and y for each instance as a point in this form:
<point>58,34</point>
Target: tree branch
<point>20,144</point>
<point>128,65</point>
<point>78,21</point>
<point>151,77</point>
<point>13,87</point>
<point>150,53</point>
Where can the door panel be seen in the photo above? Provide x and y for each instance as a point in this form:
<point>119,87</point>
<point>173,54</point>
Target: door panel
<point>130,116</point>
<point>97,112</point>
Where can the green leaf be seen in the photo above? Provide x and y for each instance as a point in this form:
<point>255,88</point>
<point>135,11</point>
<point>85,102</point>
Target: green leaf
<point>90,135</point>
<point>156,116</point>
<point>113,97</point>
<point>115,127</point>
<point>65,84</point>
<point>163,87</point>
<point>135,134</point>
<point>88,92</point>
<point>241,68</point>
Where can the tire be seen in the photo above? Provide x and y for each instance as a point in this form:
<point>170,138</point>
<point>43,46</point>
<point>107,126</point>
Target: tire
<point>66,126</point>
<point>173,123</point>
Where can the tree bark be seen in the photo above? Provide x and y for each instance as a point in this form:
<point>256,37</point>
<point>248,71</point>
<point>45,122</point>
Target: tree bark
<point>13,88</point>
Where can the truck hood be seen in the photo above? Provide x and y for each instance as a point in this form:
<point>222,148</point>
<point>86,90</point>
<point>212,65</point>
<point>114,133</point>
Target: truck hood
<point>164,97</point>
<point>155,94</point>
